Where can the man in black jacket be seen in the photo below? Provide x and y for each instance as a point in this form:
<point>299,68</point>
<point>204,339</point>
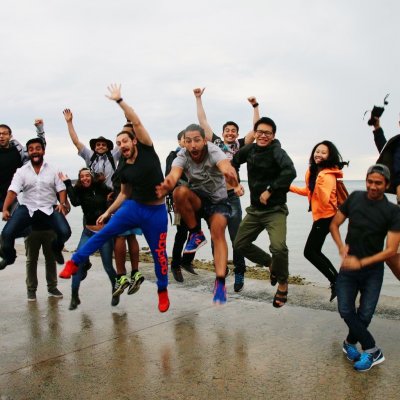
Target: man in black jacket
<point>270,172</point>
<point>390,156</point>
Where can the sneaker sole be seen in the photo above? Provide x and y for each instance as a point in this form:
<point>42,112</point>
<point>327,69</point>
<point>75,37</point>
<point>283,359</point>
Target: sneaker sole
<point>377,362</point>
<point>134,287</point>
<point>120,290</point>
<point>32,300</point>
<point>57,296</point>
<point>194,251</point>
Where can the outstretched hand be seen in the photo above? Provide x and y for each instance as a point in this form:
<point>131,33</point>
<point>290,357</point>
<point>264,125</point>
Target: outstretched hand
<point>63,176</point>
<point>115,92</point>
<point>103,218</point>
<point>68,115</point>
<point>164,188</point>
<point>198,91</point>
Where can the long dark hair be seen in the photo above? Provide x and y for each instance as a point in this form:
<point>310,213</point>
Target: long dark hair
<point>334,160</point>
<point>96,178</point>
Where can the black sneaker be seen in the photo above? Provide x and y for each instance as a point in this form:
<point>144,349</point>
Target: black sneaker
<point>85,269</point>
<point>75,301</point>
<point>3,263</point>
<point>239,282</point>
<point>59,256</point>
<point>114,299</point>
<point>136,280</point>
<point>333,291</point>
<point>31,295</point>
<point>189,268</point>
<point>55,293</point>
<point>177,273</point>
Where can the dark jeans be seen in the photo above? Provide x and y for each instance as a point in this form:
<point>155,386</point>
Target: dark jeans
<point>233,227</point>
<point>21,219</point>
<point>181,236</point>
<point>368,283</point>
<point>106,253</point>
<point>313,249</point>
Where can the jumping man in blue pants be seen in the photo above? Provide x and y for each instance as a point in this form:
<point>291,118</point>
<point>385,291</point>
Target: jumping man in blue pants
<point>137,203</point>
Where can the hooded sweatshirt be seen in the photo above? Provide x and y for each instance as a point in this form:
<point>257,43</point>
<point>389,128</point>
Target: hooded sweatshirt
<point>323,200</point>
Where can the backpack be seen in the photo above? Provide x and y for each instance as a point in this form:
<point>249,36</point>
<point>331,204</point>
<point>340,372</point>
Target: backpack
<point>109,156</point>
<point>341,192</point>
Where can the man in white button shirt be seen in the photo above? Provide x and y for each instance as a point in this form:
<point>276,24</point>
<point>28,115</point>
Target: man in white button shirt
<point>39,184</point>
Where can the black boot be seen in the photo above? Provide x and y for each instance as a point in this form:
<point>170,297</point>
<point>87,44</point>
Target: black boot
<point>74,300</point>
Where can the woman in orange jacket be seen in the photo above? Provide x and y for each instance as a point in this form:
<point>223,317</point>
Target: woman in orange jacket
<point>325,167</point>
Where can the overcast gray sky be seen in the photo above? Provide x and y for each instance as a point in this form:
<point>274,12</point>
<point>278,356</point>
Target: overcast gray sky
<point>314,66</point>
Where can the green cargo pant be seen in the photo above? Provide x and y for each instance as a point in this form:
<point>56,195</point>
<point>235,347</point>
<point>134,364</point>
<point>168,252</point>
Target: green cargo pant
<point>274,221</point>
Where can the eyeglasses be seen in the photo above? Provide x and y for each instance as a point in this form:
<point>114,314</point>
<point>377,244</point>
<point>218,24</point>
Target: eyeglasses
<point>264,133</point>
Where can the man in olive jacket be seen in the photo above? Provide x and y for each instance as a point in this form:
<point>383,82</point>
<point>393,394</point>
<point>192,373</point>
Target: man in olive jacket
<point>270,172</point>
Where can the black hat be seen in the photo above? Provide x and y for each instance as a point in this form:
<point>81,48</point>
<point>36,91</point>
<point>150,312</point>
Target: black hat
<point>93,142</point>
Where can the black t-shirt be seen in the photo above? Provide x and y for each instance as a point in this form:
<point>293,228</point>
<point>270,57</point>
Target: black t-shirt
<point>144,174</point>
<point>369,223</point>
<point>10,161</point>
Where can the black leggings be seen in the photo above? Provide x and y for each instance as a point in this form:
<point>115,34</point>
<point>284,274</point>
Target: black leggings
<point>313,249</point>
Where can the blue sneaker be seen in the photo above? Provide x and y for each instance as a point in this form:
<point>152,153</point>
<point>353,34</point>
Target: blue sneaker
<point>351,351</point>
<point>368,360</point>
<point>239,282</point>
<point>196,240</point>
<point>219,293</point>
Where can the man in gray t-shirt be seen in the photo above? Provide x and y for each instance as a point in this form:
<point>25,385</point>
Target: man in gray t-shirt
<point>206,167</point>
<point>101,158</point>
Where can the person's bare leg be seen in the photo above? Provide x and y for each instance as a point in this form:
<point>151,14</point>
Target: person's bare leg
<point>133,247</point>
<point>218,225</point>
<point>187,203</point>
<point>120,255</point>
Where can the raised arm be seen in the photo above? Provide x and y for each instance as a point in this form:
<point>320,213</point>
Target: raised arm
<point>39,124</point>
<point>72,133</point>
<point>201,114</point>
<point>379,136</point>
<point>249,138</point>
<point>141,133</point>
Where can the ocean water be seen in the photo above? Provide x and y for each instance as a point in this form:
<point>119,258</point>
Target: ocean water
<point>298,226</point>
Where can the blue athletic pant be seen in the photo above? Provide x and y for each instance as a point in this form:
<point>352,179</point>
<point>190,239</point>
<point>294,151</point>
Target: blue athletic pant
<point>152,219</point>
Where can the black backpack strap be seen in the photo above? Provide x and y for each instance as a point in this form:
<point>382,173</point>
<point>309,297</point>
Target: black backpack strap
<point>109,156</point>
<point>91,161</point>
<point>111,159</point>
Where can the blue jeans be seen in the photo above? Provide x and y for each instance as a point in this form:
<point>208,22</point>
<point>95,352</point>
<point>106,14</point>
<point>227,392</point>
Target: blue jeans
<point>233,227</point>
<point>152,219</point>
<point>367,282</point>
<point>106,253</point>
<point>21,220</point>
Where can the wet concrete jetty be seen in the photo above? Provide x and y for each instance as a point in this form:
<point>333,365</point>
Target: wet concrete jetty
<point>244,350</point>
